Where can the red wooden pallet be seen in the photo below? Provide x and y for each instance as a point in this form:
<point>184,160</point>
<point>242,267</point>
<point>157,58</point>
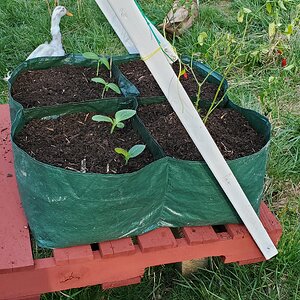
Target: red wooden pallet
<point>116,263</point>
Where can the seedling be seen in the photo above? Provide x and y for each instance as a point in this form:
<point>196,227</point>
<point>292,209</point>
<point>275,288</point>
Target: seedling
<point>101,60</point>
<point>120,116</point>
<point>107,86</point>
<point>131,153</point>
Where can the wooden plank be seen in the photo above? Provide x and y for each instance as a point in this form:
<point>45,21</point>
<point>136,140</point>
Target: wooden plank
<point>111,285</point>
<point>47,276</point>
<point>269,220</point>
<point>161,238</point>
<point>199,235</point>
<point>15,247</point>
<point>64,256</point>
<point>117,247</point>
<point>237,231</point>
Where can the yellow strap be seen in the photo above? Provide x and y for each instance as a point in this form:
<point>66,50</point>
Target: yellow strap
<point>150,55</point>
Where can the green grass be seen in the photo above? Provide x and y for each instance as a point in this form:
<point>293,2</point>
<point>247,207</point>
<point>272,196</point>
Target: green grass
<point>25,23</point>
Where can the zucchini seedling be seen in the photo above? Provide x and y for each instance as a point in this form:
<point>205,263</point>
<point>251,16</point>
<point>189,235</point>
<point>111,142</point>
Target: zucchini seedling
<point>101,60</point>
<point>131,153</point>
<point>106,86</point>
<point>121,115</point>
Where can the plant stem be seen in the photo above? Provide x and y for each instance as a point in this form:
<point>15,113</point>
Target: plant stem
<point>103,92</point>
<point>228,69</point>
<point>98,66</point>
<point>112,128</point>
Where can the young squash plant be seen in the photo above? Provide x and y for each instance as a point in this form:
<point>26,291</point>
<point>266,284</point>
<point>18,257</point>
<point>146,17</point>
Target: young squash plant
<point>100,59</point>
<point>131,153</point>
<point>121,115</point>
<point>106,86</point>
<point>108,64</point>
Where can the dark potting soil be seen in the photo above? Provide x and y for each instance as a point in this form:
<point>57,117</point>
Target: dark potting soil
<point>230,130</point>
<point>69,140</point>
<point>138,73</point>
<point>59,85</point>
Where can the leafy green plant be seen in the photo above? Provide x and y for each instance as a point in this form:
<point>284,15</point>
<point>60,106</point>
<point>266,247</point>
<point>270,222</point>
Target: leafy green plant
<point>106,86</point>
<point>121,115</point>
<point>101,60</point>
<point>131,153</point>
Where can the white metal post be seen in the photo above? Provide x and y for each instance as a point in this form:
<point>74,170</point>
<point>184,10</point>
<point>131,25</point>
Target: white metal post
<point>142,37</point>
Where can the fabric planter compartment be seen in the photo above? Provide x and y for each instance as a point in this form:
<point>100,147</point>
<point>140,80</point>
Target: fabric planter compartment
<point>77,60</point>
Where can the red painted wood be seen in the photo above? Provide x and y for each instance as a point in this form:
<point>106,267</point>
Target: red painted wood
<point>118,247</point>
<point>161,238</point>
<point>110,285</point>
<point>251,261</point>
<point>237,231</point>
<point>15,248</point>
<point>26,298</point>
<point>270,222</point>
<point>70,255</point>
<point>199,235</point>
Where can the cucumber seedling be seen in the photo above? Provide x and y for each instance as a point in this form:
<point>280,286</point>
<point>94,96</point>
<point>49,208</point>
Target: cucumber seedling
<point>121,115</point>
<point>101,61</point>
<point>106,86</point>
<point>131,153</point>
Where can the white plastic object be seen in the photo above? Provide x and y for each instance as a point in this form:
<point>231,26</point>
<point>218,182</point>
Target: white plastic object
<point>124,37</point>
<point>139,32</point>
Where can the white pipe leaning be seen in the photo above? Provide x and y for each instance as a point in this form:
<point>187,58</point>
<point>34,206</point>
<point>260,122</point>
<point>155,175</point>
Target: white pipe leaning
<point>135,25</point>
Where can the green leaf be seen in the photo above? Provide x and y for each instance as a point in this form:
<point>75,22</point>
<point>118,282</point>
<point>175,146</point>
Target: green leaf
<point>240,16</point>
<point>120,125</point>
<point>201,38</point>
<point>289,29</point>
<point>121,151</point>
<point>99,80</point>
<point>124,153</point>
<point>247,10</point>
<point>101,118</point>
<point>136,150</point>
<point>105,62</point>
<point>269,7</point>
<point>124,114</point>
<point>280,3</point>
<point>288,68</point>
<point>114,87</point>
<point>90,55</point>
<point>271,79</point>
<point>182,72</point>
<point>272,30</point>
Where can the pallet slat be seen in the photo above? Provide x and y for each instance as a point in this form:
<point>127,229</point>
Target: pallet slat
<point>161,238</point>
<point>15,247</point>
<point>199,235</point>
<point>115,248</point>
<point>70,255</point>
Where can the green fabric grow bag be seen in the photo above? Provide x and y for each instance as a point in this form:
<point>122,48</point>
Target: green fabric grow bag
<point>199,67</point>
<point>66,208</point>
<point>194,197</point>
<point>126,87</point>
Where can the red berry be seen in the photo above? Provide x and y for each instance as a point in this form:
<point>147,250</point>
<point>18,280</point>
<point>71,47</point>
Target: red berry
<point>185,75</point>
<point>283,62</point>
